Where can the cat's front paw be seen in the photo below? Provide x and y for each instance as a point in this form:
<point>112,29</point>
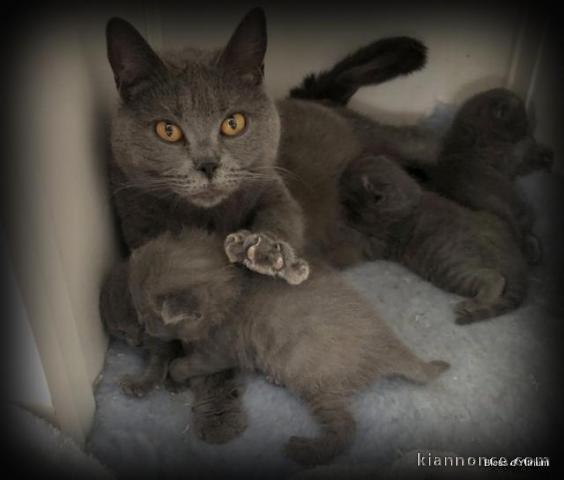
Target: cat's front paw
<point>235,245</point>
<point>273,257</point>
<point>297,273</point>
<point>262,253</point>
<point>136,387</point>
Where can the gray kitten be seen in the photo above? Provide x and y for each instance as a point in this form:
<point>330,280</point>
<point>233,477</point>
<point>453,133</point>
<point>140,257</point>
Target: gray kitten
<point>322,341</point>
<point>217,414</point>
<point>472,253</point>
<point>120,319</point>
<point>489,144</point>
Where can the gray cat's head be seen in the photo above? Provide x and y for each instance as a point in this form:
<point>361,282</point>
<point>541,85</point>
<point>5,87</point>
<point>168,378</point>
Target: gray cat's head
<point>182,285</point>
<point>195,124</point>
<point>494,115</point>
<point>495,118</point>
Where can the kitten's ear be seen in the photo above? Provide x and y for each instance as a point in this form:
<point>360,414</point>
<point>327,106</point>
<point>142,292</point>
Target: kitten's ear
<point>133,61</point>
<point>244,54</point>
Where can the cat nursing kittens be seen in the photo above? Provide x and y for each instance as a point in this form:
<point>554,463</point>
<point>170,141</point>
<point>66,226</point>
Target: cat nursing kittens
<point>472,253</point>
<point>194,143</point>
<point>321,340</point>
<point>197,143</point>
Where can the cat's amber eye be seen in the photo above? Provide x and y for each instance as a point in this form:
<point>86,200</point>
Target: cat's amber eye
<point>168,131</point>
<point>233,125</point>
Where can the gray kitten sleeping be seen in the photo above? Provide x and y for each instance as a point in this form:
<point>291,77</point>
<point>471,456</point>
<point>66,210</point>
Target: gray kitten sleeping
<point>472,253</point>
<point>489,144</point>
<point>322,340</point>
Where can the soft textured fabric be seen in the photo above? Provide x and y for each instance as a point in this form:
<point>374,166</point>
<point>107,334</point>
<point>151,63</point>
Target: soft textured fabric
<point>42,449</point>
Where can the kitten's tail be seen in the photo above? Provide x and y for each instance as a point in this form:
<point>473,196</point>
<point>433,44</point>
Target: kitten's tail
<point>376,63</point>
<point>470,311</point>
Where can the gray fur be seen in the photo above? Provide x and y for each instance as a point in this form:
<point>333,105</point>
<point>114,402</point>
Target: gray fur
<point>279,179</point>
<point>158,186</point>
<point>120,319</point>
<point>463,251</point>
<point>489,144</point>
<point>322,340</point>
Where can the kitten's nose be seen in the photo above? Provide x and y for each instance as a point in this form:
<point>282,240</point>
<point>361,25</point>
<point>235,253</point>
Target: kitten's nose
<point>207,167</point>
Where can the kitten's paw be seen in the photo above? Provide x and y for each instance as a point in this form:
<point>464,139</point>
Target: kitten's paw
<point>308,451</point>
<point>135,387</point>
<point>219,421</point>
<point>470,311</point>
<point>463,311</point>
<point>221,429</point>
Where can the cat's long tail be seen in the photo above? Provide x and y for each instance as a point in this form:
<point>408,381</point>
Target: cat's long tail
<point>375,63</point>
<point>474,310</point>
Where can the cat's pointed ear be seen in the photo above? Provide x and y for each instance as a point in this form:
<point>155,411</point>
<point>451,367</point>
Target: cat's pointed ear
<point>133,61</point>
<point>244,54</point>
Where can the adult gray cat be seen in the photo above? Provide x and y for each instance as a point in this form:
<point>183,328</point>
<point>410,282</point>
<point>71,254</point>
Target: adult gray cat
<point>198,143</point>
<point>322,340</point>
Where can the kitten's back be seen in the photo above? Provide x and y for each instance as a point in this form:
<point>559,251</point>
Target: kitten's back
<point>322,332</point>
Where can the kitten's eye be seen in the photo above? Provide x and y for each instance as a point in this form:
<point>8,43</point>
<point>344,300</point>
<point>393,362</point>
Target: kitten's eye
<point>168,131</point>
<point>233,125</point>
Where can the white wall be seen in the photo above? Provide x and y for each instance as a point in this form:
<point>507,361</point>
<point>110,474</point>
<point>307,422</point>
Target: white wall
<point>470,48</point>
<point>28,383</point>
<point>61,236</point>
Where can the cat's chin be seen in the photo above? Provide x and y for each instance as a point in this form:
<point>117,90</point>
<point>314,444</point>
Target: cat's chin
<point>208,199</point>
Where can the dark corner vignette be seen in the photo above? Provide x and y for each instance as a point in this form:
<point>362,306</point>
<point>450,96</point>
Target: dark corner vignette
<point>22,24</point>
